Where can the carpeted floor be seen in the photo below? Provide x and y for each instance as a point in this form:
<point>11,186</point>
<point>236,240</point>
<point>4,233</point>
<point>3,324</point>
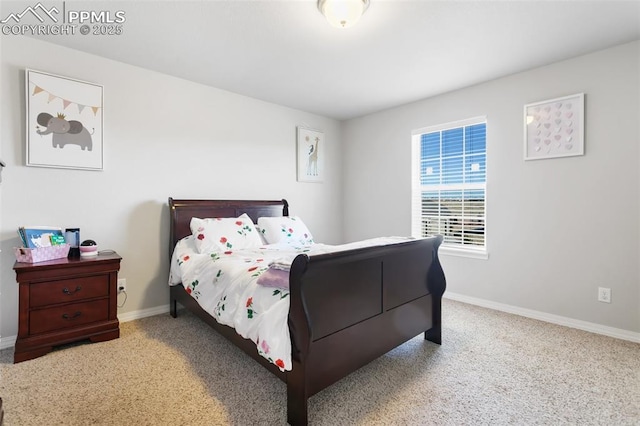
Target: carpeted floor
<point>492,369</point>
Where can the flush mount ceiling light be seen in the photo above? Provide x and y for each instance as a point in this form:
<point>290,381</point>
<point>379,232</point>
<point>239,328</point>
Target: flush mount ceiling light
<point>343,13</point>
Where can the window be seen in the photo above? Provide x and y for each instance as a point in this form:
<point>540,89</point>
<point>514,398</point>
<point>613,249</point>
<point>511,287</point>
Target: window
<point>449,189</point>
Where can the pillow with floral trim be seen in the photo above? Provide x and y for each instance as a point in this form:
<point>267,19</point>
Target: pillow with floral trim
<point>289,230</point>
<point>224,234</point>
<point>181,253</point>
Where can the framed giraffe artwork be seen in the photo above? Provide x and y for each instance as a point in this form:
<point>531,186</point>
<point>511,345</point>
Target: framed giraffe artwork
<point>311,149</point>
<point>554,128</point>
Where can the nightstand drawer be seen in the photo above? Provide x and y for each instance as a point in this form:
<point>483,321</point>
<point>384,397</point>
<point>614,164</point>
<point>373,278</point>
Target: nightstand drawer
<point>67,316</point>
<point>62,291</point>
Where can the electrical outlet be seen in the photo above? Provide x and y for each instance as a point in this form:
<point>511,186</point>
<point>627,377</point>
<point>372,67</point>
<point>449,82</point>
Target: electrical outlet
<point>604,294</point>
<point>122,285</point>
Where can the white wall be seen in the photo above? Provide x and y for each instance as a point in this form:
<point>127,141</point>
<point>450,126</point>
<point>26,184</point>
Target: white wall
<point>163,137</point>
<point>557,229</point>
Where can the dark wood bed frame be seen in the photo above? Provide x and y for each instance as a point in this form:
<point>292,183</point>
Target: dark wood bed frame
<point>346,308</point>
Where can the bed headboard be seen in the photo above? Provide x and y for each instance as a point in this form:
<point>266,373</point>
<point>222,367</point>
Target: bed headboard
<point>181,212</point>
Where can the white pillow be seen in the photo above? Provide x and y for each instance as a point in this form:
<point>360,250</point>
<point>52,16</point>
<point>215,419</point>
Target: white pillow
<point>224,234</point>
<point>185,247</point>
<point>289,230</point>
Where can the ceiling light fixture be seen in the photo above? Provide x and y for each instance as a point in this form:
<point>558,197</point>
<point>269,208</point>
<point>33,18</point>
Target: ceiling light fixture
<point>343,13</point>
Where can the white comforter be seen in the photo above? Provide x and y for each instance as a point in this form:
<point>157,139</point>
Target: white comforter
<point>225,285</point>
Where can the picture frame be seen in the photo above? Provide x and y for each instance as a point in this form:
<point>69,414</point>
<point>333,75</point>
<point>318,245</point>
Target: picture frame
<point>64,122</point>
<point>310,155</point>
<point>554,128</point>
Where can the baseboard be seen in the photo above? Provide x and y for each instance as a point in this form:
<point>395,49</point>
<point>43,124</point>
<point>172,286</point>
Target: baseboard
<point>143,313</point>
<point>618,333</point>
<point>7,342</point>
<point>10,341</point>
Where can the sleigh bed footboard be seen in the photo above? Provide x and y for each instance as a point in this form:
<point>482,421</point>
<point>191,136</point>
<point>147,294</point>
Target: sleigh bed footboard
<point>349,308</point>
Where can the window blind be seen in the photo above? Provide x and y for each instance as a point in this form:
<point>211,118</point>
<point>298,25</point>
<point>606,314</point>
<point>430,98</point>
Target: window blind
<point>449,183</point>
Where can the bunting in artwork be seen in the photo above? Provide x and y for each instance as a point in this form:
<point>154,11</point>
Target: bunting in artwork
<point>65,102</point>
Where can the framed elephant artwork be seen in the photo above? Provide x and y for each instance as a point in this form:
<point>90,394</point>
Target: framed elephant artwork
<point>64,122</point>
<point>311,149</point>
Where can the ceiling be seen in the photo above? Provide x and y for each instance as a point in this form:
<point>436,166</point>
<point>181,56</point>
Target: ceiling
<point>401,51</point>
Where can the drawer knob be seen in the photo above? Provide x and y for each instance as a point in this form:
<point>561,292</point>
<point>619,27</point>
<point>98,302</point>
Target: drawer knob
<point>67,291</point>
<point>68,318</point>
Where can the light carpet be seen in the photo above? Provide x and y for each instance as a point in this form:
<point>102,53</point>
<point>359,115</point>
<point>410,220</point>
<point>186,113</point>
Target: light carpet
<point>493,368</point>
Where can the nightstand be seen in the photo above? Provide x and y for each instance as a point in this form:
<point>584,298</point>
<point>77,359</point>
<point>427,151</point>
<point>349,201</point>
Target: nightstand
<point>66,300</point>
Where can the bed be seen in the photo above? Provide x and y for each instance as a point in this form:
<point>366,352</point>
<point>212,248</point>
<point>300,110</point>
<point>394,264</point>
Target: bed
<point>380,297</point>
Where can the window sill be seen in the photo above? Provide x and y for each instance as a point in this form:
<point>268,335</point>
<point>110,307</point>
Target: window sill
<point>470,253</point>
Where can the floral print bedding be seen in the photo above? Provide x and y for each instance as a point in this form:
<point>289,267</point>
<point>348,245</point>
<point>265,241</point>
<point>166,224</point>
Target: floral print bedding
<point>225,284</point>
